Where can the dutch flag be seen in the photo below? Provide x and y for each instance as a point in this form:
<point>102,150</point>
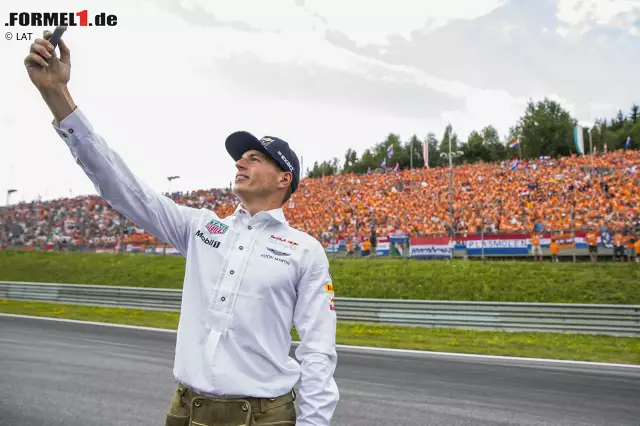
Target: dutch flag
<point>514,164</point>
<point>514,143</point>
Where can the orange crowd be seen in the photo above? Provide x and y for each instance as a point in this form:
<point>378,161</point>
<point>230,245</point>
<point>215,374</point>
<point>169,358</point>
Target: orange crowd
<point>580,193</point>
<point>590,191</point>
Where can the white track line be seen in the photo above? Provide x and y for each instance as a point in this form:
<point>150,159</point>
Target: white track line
<point>105,324</point>
<point>350,347</point>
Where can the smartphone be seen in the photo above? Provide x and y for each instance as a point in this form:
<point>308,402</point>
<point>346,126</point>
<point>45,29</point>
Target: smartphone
<point>57,35</point>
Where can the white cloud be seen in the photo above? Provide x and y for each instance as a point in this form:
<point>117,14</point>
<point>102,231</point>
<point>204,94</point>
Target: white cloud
<point>153,87</point>
<point>142,87</point>
<point>582,15</point>
<point>368,22</point>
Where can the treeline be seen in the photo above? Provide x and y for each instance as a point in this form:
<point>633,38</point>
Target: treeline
<point>545,128</point>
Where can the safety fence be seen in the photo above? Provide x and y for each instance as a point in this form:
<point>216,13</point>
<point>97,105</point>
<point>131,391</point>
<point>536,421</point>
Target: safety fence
<point>486,245</point>
<point>615,320</point>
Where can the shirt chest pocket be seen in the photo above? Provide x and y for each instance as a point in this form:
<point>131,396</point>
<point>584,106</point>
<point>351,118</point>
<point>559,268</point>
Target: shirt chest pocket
<point>268,271</point>
<point>272,278</point>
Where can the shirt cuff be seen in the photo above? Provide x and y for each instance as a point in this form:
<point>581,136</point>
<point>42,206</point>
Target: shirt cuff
<point>75,126</point>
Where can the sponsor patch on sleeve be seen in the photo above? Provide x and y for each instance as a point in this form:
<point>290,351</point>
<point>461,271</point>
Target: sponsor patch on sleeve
<point>329,288</point>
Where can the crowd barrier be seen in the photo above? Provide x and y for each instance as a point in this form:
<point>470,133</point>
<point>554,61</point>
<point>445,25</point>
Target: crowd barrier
<point>615,320</point>
<point>477,245</point>
<point>401,245</point>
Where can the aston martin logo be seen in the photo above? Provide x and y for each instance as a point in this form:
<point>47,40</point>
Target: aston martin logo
<point>278,252</point>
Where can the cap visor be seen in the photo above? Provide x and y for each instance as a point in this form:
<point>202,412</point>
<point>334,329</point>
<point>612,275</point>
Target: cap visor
<point>240,142</point>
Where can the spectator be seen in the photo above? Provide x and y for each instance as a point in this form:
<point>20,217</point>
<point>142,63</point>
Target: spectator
<point>570,193</point>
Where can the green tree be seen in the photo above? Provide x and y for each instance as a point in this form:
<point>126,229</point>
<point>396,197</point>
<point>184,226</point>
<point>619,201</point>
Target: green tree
<point>413,147</point>
<point>497,150</point>
<point>326,168</point>
<point>545,129</point>
<point>596,136</point>
<point>633,113</point>
<point>366,162</point>
<point>350,161</point>
<point>475,149</point>
<point>449,135</point>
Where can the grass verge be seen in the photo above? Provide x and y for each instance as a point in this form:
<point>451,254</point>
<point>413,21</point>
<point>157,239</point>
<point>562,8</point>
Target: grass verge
<point>502,281</point>
<point>539,345</point>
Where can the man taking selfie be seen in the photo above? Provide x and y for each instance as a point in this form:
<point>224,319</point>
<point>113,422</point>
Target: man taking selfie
<point>249,277</point>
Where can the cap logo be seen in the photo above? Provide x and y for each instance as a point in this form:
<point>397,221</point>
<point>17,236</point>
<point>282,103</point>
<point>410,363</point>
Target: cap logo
<point>266,142</point>
<point>286,162</point>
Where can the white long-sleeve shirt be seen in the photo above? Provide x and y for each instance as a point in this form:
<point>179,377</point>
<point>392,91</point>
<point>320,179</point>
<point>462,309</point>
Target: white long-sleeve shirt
<point>248,280</point>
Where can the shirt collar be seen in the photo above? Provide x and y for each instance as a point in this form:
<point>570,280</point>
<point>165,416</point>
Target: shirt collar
<point>276,214</point>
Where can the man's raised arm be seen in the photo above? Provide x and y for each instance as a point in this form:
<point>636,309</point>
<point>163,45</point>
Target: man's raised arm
<point>113,180</point>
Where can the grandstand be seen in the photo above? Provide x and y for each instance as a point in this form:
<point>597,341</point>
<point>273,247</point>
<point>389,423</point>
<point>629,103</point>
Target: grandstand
<point>569,195</point>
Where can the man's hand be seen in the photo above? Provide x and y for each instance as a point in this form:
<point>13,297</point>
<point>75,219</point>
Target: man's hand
<point>46,71</point>
<point>51,74</point>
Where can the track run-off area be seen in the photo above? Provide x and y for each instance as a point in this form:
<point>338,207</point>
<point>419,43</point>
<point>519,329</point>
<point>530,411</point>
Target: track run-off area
<point>58,372</point>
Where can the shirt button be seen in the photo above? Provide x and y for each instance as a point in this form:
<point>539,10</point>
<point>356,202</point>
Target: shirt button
<point>241,247</point>
<point>231,272</point>
<point>249,227</point>
<point>223,298</point>
<point>70,130</point>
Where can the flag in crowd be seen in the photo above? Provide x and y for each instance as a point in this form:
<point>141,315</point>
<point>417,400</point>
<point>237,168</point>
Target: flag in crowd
<point>514,143</point>
<point>578,138</point>
<point>627,145</point>
<point>425,154</point>
<point>514,164</point>
<point>390,151</point>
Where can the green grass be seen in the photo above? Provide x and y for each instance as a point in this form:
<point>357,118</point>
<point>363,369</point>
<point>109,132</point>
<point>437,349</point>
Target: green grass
<point>539,345</point>
<point>504,281</point>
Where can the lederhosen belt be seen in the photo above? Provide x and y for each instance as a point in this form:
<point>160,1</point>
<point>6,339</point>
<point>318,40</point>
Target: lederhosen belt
<point>204,403</point>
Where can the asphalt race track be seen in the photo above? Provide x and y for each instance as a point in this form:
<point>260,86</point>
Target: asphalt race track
<point>59,373</point>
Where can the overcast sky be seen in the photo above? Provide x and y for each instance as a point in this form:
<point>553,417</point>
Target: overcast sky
<point>174,78</point>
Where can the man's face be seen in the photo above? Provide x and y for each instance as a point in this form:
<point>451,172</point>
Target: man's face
<point>257,175</point>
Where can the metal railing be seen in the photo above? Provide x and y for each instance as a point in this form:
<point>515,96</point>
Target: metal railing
<point>615,320</point>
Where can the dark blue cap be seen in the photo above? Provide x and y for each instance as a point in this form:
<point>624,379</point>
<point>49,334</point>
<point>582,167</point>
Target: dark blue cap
<point>240,142</point>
